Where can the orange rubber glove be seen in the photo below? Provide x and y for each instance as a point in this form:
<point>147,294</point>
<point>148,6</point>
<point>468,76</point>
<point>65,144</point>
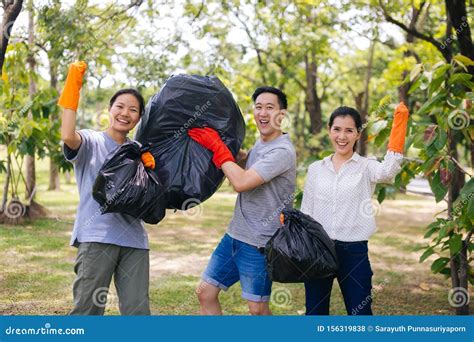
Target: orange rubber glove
<point>148,160</point>
<point>72,87</point>
<point>396,142</point>
<point>210,139</point>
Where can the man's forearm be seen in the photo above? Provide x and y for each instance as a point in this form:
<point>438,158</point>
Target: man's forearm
<point>241,180</point>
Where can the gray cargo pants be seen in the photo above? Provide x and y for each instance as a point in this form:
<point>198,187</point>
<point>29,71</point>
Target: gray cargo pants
<point>94,267</point>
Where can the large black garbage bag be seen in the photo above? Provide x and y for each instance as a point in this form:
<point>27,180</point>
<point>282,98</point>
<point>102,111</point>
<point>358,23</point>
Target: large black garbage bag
<point>183,166</point>
<point>300,250</point>
<point>125,186</point>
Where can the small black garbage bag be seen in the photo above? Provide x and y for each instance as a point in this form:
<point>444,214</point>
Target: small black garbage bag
<point>125,186</point>
<point>183,166</point>
<point>300,250</point>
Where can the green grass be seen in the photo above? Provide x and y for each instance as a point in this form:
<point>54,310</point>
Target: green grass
<point>36,261</point>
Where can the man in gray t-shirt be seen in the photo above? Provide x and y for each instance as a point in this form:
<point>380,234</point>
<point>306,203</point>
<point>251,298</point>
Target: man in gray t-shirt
<point>266,186</point>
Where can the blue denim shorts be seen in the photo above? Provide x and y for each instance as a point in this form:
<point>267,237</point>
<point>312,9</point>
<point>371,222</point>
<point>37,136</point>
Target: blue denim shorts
<point>234,260</point>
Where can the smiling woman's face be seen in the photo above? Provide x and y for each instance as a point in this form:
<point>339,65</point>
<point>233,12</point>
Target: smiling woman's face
<point>124,113</point>
<point>343,134</point>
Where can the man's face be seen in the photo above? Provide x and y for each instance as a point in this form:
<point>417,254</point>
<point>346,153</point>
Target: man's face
<point>268,115</point>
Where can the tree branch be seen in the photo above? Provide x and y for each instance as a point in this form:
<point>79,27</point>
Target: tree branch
<point>413,31</point>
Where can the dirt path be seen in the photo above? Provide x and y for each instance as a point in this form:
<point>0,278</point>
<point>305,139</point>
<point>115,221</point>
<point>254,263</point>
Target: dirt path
<point>402,219</point>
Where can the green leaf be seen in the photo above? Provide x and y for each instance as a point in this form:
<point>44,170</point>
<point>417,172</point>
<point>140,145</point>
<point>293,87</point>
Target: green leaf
<point>463,60</point>
<point>382,137</point>
<point>461,77</point>
<point>446,271</point>
<point>430,165</point>
<point>439,75</point>
<point>381,195</point>
<point>441,71</point>
<point>468,188</point>
<point>434,85</point>
<point>434,101</point>
<point>455,244</point>
<point>378,126</point>
<point>437,187</point>
<point>416,71</point>
<point>440,142</point>
<point>415,85</point>
<point>431,230</point>
<point>470,208</point>
<point>429,251</point>
<point>439,264</point>
<point>384,100</point>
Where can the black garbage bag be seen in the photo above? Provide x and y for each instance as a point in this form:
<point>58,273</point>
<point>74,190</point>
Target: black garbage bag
<point>125,186</point>
<point>300,250</point>
<point>183,166</point>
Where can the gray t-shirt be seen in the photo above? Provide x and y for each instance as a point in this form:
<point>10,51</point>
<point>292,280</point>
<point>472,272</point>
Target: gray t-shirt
<point>257,212</point>
<point>90,224</point>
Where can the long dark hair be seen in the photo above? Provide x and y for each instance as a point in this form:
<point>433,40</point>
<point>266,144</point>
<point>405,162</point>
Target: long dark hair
<point>347,111</point>
<point>130,91</point>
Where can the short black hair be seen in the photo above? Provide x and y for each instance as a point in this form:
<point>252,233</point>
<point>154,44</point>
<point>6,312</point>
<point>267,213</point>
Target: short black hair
<point>347,111</point>
<point>282,101</point>
<point>130,91</point>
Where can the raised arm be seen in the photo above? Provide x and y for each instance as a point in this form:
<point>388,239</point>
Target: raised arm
<point>69,100</point>
<point>385,171</point>
<point>396,141</point>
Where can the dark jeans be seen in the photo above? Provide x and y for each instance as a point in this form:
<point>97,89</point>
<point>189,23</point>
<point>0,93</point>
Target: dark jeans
<point>354,278</point>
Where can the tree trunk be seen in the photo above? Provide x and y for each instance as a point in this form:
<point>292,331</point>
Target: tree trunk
<point>313,102</point>
<point>456,11</point>
<point>11,9</point>
<point>360,106</point>
<point>6,184</point>
<point>297,121</point>
<point>30,159</point>
<point>362,102</point>
<point>458,262</point>
<point>67,175</point>
<point>54,183</point>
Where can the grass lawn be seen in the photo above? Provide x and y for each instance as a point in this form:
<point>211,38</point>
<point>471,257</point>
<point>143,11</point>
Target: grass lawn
<point>36,261</point>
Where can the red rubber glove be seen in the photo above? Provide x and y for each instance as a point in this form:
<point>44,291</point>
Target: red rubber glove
<point>396,142</point>
<point>72,87</point>
<point>148,160</point>
<point>210,139</point>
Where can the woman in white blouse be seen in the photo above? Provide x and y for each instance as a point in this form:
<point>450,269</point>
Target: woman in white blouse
<point>337,194</point>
